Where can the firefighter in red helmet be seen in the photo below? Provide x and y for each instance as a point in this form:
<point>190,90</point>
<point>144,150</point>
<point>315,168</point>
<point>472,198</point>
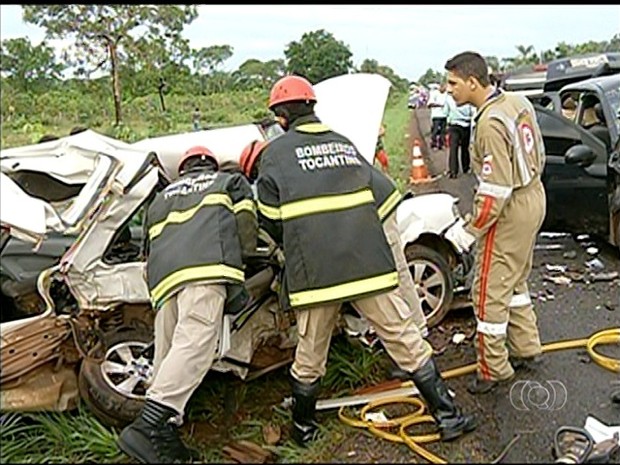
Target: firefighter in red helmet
<point>199,230</point>
<point>315,198</point>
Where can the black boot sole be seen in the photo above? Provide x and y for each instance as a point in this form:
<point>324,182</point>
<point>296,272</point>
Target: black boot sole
<point>130,451</point>
<point>469,426</point>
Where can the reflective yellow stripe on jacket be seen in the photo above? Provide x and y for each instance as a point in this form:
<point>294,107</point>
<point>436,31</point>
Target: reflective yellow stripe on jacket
<point>341,291</point>
<point>195,273</point>
<point>177,217</point>
<point>389,204</point>
<point>327,203</point>
<point>312,128</point>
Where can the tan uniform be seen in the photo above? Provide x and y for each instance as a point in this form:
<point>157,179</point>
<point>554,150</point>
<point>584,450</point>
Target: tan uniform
<point>509,207</point>
<point>387,313</point>
<point>187,329</point>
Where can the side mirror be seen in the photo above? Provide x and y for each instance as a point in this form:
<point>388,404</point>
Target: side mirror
<point>581,155</point>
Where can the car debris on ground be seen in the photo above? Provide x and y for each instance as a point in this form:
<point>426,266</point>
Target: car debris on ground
<point>246,452</point>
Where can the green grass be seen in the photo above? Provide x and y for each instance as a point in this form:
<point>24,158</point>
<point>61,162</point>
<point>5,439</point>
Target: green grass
<point>396,120</point>
<point>75,437</point>
<point>224,406</point>
<point>142,116</point>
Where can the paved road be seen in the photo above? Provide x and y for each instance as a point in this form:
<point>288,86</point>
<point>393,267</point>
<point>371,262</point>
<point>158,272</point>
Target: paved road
<point>565,311</point>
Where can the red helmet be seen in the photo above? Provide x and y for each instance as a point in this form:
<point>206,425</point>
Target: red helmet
<point>250,154</point>
<point>291,88</point>
<point>196,151</point>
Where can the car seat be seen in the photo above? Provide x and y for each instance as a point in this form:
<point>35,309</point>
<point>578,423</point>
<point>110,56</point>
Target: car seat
<point>600,129</point>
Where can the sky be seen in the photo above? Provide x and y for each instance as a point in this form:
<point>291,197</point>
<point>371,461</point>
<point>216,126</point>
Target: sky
<point>408,38</point>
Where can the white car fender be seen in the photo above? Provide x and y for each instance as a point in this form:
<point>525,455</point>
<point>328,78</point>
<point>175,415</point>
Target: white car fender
<point>426,213</point>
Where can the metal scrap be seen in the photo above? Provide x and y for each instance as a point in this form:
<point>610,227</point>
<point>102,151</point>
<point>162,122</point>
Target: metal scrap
<point>559,268</point>
<point>552,235</point>
<point>558,279</point>
<point>549,247</point>
<point>595,264</point>
<point>604,276</point>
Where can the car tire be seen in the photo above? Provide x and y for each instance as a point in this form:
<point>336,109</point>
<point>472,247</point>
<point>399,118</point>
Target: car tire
<point>98,382</point>
<point>433,279</point>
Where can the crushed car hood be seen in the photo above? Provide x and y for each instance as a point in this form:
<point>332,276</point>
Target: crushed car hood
<point>353,105</point>
<point>99,163</point>
<point>69,159</point>
<point>22,215</point>
<point>226,143</point>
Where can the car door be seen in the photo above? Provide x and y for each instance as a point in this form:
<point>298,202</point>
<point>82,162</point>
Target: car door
<point>577,198</point>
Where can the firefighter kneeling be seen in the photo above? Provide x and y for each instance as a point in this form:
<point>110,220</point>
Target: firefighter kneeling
<point>198,230</point>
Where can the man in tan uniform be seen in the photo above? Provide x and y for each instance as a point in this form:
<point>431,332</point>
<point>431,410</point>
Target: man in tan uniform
<point>508,157</point>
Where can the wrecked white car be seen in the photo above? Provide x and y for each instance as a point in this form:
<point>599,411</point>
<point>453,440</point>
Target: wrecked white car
<point>83,327</point>
<point>86,330</point>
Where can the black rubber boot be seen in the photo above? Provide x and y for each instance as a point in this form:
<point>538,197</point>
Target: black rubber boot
<point>525,363</point>
<point>451,422</point>
<point>304,408</point>
<point>153,438</point>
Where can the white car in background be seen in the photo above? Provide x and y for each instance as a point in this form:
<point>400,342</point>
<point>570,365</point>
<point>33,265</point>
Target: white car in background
<point>81,325</point>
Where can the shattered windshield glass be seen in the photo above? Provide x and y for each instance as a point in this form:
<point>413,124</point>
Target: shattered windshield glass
<point>613,97</point>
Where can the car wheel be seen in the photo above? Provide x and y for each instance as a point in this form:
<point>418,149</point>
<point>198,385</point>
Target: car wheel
<point>114,389</point>
<point>433,279</point>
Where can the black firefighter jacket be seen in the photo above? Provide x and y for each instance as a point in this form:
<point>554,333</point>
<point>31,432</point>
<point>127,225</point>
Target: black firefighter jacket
<point>199,228</point>
<point>315,199</point>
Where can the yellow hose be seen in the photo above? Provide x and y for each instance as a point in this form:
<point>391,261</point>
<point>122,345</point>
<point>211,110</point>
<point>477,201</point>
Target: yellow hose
<point>607,336</point>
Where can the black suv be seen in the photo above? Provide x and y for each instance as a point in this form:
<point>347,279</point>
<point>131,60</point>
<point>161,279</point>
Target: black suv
<point>582,173</point>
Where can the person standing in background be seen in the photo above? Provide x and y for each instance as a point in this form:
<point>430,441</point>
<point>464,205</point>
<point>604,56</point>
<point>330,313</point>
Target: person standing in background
<point>196,119</point>
<point>439,115</point>
<point>459,130</point>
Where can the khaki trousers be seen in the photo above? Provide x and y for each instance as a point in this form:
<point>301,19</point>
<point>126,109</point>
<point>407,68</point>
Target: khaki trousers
<point>187,330</point>
<point>506,318</point>
<point>387,313</point>
<point>406,287</point>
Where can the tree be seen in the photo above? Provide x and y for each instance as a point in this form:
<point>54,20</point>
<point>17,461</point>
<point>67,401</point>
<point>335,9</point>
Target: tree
<point>318,56</point>
<point>372,66</point>
<point>493,63</point>
<point>254,73</point>
<point>106,35</point>
<point>431,76</point>
<point>614,44</point>
<point>206,60</point>
<point>210,58</point>
<point>26,65</point>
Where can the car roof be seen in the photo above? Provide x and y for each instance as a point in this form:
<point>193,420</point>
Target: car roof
<point>563,71</point>
<point>604,82</point>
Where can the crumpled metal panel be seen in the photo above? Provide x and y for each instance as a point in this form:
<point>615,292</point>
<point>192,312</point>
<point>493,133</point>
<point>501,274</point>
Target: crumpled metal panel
<point>44,389</point>
<point>31,346</point>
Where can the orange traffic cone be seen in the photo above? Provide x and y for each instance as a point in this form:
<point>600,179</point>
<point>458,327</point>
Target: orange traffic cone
<point>419,172</point>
